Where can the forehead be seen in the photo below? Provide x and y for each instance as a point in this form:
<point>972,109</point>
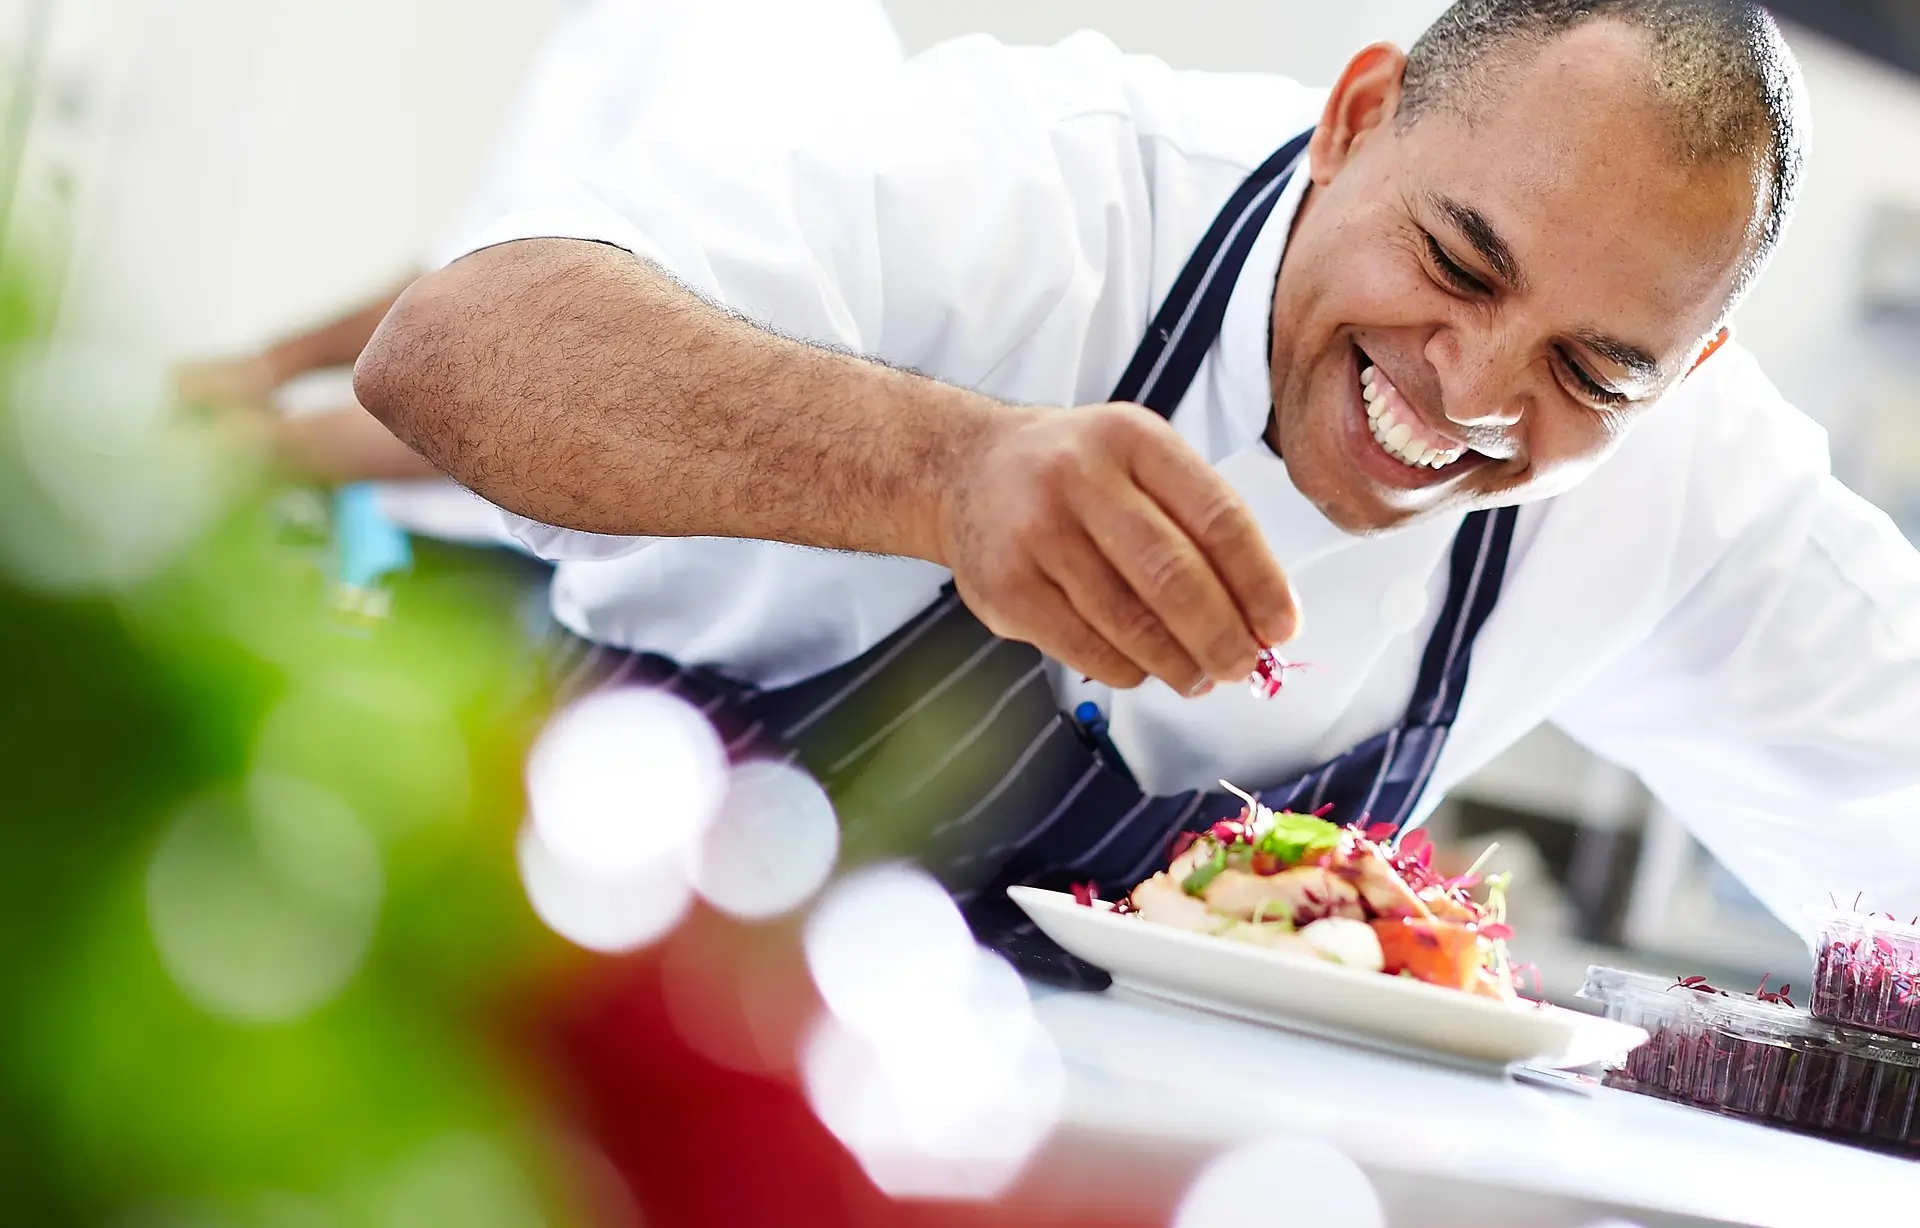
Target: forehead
<point>1571,155</point>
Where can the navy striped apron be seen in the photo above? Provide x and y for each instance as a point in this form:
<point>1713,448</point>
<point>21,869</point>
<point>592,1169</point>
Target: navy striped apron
<point>946,744</point>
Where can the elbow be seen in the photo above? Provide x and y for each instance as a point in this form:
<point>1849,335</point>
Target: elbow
<point>390,370</point>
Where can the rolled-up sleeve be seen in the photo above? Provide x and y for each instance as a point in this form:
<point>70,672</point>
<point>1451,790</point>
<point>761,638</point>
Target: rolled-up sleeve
<point>982,203</point>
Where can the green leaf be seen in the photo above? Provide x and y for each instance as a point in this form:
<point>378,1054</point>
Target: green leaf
<point>1200,878</point>
<point>1295,838</point>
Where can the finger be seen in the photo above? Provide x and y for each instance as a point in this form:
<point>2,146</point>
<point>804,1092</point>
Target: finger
<point>1223,529</point>
<point>1111,607</point>
<point>1061,633</point>
<point>1166,571</point>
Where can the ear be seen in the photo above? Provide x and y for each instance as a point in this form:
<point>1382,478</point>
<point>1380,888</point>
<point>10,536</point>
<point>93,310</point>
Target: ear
<point>1713,347</point>
<point>1364,100</point>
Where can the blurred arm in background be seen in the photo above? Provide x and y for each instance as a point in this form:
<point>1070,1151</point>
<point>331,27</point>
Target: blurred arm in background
<point>335,446</point>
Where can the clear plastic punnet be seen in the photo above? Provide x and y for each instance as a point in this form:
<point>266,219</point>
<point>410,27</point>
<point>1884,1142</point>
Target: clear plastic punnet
<point>1867,973</point>
<point>1738,1055</point>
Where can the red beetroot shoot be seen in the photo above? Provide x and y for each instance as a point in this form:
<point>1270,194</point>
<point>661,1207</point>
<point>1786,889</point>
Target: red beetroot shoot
<point>1696,983</point>
<point>1270,674</point>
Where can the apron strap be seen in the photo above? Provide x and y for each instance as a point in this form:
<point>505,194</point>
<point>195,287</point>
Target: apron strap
<point>1188,322</point>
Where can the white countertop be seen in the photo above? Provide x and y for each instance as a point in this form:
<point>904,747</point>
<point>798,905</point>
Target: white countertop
<point>1154,1071</point>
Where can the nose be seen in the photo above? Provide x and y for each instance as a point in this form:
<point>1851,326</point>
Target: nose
<point>1479,378</point>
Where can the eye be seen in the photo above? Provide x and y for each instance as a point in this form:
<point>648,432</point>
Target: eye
<point>1589,388</point>
<point>1452,272</point>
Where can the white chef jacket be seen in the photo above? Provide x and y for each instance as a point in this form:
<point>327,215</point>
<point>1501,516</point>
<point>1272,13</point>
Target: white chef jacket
<point>1711,608</point>
<point>611,69</point>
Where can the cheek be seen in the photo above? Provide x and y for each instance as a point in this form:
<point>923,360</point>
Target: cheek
<point>1566,443</point>
<point>1362,273</point>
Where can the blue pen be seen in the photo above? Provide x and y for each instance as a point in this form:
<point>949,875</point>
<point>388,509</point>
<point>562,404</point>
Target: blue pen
<point>1088,716</point>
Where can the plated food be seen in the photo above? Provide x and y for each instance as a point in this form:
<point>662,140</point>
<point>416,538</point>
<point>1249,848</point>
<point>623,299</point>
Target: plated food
<point>1354,896</point>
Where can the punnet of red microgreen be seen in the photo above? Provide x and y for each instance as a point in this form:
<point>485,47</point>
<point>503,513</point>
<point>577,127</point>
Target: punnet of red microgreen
<point>1867,974</point>
<point>1741,1056</point>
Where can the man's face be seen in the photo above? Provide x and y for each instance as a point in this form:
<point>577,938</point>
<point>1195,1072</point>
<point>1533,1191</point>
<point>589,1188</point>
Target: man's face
<point>1523,283</point>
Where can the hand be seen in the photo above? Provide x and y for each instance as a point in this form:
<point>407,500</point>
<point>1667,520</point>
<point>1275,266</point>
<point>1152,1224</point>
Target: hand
<point>1100,537</point>
<point>226,385</point>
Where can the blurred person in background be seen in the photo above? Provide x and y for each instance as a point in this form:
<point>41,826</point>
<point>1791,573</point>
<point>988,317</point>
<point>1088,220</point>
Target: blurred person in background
<point>1485,390</point>
<point>610,69</point>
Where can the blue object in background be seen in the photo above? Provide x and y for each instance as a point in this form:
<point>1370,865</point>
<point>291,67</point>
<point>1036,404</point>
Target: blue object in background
<point>368,547</point>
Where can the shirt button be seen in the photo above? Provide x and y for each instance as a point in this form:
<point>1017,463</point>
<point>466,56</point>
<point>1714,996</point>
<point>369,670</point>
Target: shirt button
<point>1403,606</point>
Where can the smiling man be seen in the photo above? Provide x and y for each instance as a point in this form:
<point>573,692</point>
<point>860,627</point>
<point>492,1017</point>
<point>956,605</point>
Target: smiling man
<point>962,451</point>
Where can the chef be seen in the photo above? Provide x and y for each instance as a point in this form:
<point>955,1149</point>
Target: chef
<point>968,449</point>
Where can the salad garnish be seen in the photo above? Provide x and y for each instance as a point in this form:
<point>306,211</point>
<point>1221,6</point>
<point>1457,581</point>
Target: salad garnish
<point>1359,895</point>
<point>1270,673</point>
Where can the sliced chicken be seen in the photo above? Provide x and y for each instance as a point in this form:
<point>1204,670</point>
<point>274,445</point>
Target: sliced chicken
<point>1196,855</point>
<point>1161,899</point>
<point>1301,895</point>
<point>1384,890</point>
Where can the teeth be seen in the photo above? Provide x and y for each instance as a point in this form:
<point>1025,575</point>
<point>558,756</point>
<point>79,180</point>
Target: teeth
<point>1394,435</point>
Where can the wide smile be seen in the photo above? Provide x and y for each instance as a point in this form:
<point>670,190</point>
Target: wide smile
<point>1397,446</point>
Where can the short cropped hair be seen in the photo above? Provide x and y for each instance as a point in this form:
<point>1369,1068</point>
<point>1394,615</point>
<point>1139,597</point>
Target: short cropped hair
<point>1721,66</point>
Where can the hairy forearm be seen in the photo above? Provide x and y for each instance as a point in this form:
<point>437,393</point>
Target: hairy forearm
<point>577,386</point>
<point>336,343</point>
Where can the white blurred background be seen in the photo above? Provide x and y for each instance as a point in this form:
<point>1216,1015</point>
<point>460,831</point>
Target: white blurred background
<point>236,169</point>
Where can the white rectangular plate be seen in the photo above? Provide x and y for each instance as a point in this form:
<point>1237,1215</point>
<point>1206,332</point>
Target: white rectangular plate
<point>1324,999</point>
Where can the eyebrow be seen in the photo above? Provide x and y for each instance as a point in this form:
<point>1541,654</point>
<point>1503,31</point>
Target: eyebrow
<point>1640,365</point>
<point>1493,249</point>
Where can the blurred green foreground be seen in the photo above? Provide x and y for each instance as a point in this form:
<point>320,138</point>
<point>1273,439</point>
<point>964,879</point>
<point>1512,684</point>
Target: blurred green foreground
<point>259,929</point>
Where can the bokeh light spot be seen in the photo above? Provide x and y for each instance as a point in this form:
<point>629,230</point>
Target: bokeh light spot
<point>1237,1189</point>
<point>772,845</point>
<point>115,488</point>
<point>622,780</point>
<point>263,900</point>
<point>886,946</point>
<point>929,1065</point>
<point>610,914</point>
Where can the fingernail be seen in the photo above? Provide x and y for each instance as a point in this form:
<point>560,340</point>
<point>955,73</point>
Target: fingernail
<point>1202,689</point>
